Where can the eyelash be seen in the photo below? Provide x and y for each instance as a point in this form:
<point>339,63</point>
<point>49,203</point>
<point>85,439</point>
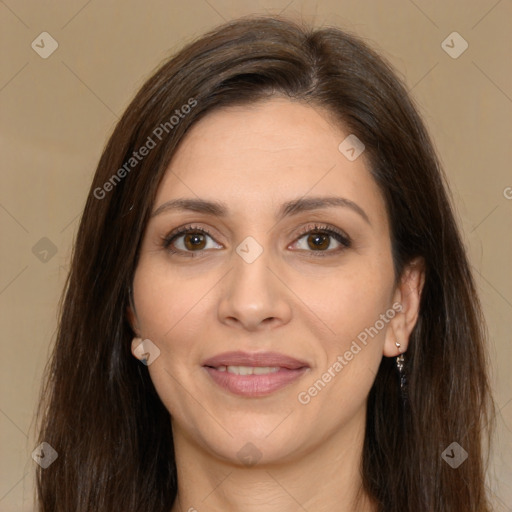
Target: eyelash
<point>338,235</point>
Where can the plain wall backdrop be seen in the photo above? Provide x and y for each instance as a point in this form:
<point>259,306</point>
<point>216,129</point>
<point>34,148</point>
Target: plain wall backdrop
<point>58,110</point>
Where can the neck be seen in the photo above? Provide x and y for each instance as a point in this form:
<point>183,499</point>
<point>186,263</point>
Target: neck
<point>325,479</point>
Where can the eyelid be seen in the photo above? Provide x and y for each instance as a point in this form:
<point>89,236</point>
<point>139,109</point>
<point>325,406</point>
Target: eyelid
<point>325,228</point>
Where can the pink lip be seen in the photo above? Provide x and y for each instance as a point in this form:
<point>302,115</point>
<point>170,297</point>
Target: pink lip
<point>252,386</point>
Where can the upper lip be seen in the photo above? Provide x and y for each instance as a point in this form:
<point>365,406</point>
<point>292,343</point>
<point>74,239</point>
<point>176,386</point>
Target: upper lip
<point>262,359</point>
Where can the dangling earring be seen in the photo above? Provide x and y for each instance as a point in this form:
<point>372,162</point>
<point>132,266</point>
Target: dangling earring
<point>401,370</point>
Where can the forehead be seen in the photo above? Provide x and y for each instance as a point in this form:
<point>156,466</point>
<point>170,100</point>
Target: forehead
<point>263,154</point>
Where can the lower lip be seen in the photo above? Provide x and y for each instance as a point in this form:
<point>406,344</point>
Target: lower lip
<point>254,385</point>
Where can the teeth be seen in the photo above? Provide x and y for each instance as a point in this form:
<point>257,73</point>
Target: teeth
<point>249,370</point>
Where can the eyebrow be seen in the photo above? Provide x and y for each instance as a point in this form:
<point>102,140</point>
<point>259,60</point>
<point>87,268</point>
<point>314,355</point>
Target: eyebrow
<point>287,209</point>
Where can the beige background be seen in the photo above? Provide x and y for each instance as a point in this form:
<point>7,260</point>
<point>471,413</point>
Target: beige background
<point>58,112</point>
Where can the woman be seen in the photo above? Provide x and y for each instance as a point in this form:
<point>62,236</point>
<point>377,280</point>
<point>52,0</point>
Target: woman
<point>270,307</point>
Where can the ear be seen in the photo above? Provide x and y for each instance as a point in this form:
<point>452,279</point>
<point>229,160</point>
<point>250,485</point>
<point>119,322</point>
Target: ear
<point>131,314</point>
<point>406,301</point>
<point>132,319</point>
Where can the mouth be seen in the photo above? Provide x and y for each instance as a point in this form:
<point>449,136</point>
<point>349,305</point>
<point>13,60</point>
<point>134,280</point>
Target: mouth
<point>254,375</point>
<point>248,370</point>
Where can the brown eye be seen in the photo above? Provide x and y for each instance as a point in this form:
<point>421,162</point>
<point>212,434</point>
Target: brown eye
<point>189,240</point>
<point>194,241</point>
<point>318,241</point>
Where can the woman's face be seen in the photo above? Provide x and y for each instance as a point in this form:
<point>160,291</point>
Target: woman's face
<point>272,275</point>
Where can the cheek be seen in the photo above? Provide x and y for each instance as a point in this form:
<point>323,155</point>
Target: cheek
<point>163,300</point>
<point>170,312</point>
<point>349,301</point>
<point>353,350</point>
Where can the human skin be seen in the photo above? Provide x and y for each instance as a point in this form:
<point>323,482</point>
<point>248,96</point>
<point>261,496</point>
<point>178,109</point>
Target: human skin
<point>288,300</point>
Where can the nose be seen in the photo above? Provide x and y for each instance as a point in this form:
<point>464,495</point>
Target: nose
<point>253,297</point>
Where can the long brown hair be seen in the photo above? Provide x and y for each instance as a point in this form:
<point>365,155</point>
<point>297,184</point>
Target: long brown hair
<point>99,409</point>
